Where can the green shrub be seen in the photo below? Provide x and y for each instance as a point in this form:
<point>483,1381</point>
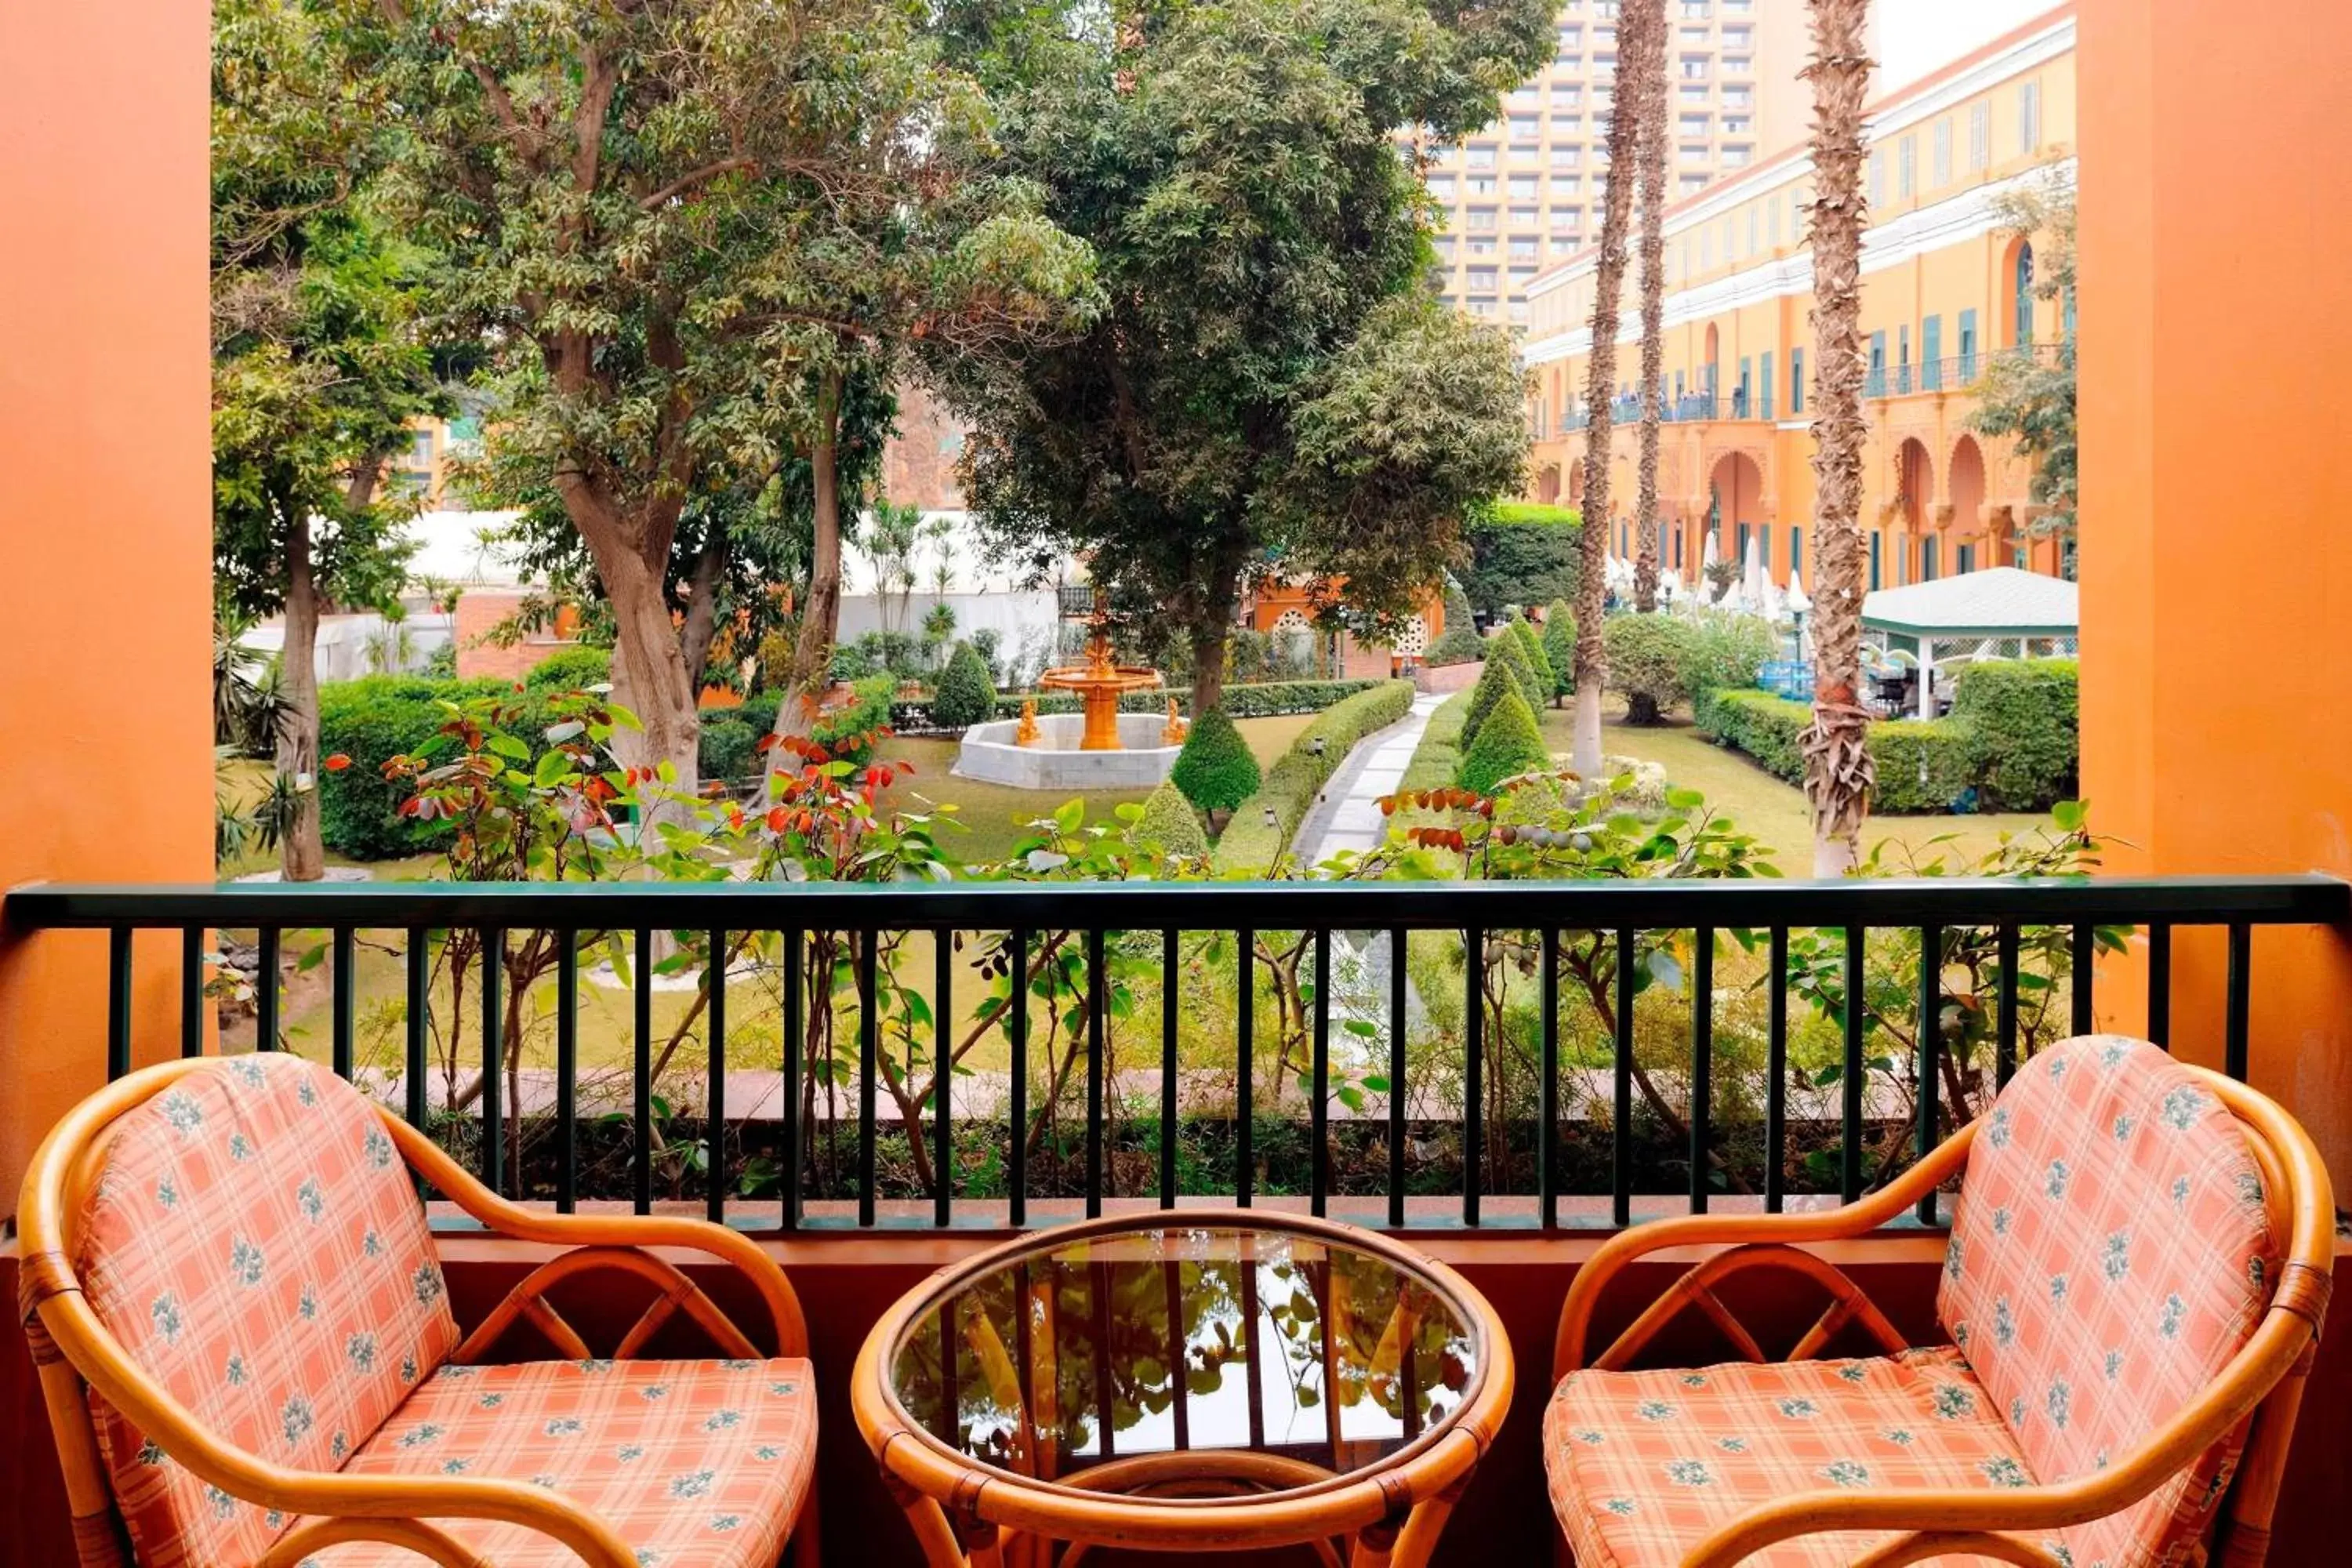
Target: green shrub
<point>1507,744</point>
<point>1169,821</point>
<point>1560,646</point>
<point>1521,552</point>
<point>1495,682</point>
<point>1725,652</point>
<point>1539,660</point>
<point>868,710</point>
<point>1460,645</point>
<point>1646,655</point>
<point>967,695</point>
<point>371,720</point>
<point>1769,729</point>
<point>1263,699</point>
<point>1215,770</point>
<point>1459,615</point>
<point>729,748</point>
<point>575,668</point>
<point>1298,775</point>
<point>1506,649</point>
<point>2025,743</point>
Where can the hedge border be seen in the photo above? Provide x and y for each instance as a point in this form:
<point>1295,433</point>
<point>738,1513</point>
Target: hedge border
<point>1298,775</point>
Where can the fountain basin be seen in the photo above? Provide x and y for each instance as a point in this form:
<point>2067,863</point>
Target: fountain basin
<point>1055,762</point>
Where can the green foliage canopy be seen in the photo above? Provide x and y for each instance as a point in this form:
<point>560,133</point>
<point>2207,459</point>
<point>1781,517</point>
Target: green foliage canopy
<point>1216,770</point>
<point>1521,553</point>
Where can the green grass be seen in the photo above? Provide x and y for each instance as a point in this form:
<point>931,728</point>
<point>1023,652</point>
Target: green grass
<point>1773,811</point>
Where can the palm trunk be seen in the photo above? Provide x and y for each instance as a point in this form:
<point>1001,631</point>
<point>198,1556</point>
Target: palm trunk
<point>301,853</point>
<point>821,617</point>
<point>1649,65</point>
<point>1641,20</point>
<point>1838,774</point>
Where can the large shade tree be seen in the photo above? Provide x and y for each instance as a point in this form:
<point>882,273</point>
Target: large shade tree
<point>1838,776</point>
<point>1270,387</point>
<point>689,228</point>
<point>1638,31</point>
<point>319,361</point>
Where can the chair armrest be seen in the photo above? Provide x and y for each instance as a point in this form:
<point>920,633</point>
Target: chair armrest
<point>2277,1345</point>
<point>1858,1218</point>
<point>633,1231</point>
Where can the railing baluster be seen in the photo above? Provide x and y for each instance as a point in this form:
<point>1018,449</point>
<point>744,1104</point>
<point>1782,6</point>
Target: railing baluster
<point>1776,1072</point>
<point>1018,1000</point>
<point>1168,1107</point>
<point>2238,998</point>
<point>1180,1392</point>
<point>192,991</point>
<point>714,1120</point>
<point>1319,1113</point>
<point>418,976</point>
<point>1702,1078</point>
<point>1547,1113</point>
<point>641,1072</point>
<point>943,1078</point>
<point>1931,1007</point>
<point>870,1068</point>
<point>1849,1083</point>
<point>1621,1133</point>
<point>494,972</point>
<point>118,1002</point>
<point>268,996</point>
<point>2005,1004</point>
<point>1474,1047</point>
<point>1245,1027</point>
<point>2083,946</point>
<point>567,1071</point>
<point>1097,1001</point>
<point>346,999</point>
<point>2159,984</point>
<point>1399,943</point>
<point>795,944</point>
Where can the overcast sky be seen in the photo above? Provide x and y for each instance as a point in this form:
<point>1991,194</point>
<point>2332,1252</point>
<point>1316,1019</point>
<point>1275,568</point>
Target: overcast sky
<point>1918,35</point>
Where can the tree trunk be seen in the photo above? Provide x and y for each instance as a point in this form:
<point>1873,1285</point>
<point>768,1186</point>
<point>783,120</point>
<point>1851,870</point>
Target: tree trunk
<point>1636,32</point>
<point>700,627</point>
<point>1649,66</point>
<point>648,669</point>
<point>821,616</point>
<point>1214,628</point>
<point>1838,774</point>
<point>300,852</point>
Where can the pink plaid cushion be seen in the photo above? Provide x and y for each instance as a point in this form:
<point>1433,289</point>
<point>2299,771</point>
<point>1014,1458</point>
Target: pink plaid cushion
<point>1644,1465</point>
<point>697,1464</point>
<point>2111,1251</point>
<point>254,1243</point>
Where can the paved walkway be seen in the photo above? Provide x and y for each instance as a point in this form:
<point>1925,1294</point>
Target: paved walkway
<point>1348,816</point>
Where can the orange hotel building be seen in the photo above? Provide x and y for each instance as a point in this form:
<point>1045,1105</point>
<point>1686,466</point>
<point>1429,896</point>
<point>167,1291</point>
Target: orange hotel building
<point>1945,288</point>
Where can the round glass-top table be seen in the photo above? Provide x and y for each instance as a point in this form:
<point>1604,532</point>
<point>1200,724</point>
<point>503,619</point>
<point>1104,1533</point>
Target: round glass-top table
<point>1199,1379</point>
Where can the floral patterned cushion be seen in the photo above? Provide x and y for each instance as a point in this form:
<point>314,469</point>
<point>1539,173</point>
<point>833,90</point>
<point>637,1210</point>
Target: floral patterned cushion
<point>1644,1465</point>
<point>697,1464</point>
<point>254,1244</point>
<point>2110,1252</point>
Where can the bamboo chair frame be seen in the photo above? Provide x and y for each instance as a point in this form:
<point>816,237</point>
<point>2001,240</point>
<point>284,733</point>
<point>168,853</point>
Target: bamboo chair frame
<point>74,1354</point>
<point>2263,1381</point>
<point>969,1515</point>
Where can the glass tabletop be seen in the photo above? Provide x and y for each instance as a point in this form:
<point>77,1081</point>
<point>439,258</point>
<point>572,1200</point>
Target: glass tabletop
<point>1186,1339</point>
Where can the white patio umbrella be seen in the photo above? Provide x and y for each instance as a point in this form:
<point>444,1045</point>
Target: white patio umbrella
<point>1799,603</point>
<point>1775,607</point>
<point>1751,572</point>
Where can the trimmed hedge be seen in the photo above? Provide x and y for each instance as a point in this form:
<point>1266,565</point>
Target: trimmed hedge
<point>1767,727</point>
<point>2024,737</point>
<point>729,748</point>
<point>1508,745</point>
<point>1256,699</point>
<point>1216,769</point>
<point>1298,775</point>
<point>1460,645</point>
<point>371,720</point>
<point>1169,821</point>
<point>575,668</point>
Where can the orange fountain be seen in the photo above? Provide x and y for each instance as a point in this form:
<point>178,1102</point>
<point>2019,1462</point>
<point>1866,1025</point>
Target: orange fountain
<point>1100,681</point>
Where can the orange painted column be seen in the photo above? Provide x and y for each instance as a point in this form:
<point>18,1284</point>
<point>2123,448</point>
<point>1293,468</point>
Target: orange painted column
<point>2216,208</point>
<point>105,517</point>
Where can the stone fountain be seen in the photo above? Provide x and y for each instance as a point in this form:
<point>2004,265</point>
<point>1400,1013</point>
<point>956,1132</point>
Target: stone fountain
<point>1097,748</point>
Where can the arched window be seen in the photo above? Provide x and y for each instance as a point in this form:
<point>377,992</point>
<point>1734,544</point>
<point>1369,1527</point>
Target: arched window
<point>2023,282</point>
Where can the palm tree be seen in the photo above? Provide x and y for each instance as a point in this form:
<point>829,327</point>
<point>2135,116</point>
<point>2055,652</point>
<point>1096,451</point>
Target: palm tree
<point>1838,776</point>
<point>1638,31</point>
<point>1647,82</point>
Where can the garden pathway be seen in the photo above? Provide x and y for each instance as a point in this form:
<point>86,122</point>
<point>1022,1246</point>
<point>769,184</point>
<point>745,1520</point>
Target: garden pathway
<point>1348,816</point>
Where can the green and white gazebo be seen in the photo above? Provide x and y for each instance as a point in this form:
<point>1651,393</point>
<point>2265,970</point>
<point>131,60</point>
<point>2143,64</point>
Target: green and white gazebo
<point>2001,611</point>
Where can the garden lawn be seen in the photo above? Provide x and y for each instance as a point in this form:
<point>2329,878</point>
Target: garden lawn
<point>1775,812</point>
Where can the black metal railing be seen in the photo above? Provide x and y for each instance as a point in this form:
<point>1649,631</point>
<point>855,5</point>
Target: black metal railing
<point>1094,952</point>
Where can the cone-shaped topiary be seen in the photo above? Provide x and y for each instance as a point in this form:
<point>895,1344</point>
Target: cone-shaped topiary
<point>1169,821</point>
<point>1539,659</point>
<point>1507,744</point>
<point>967,695</point>
<point>1506,649</point>
<point>1215,770</point>
<point>1493,682</point>
<point>1559,642</point>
